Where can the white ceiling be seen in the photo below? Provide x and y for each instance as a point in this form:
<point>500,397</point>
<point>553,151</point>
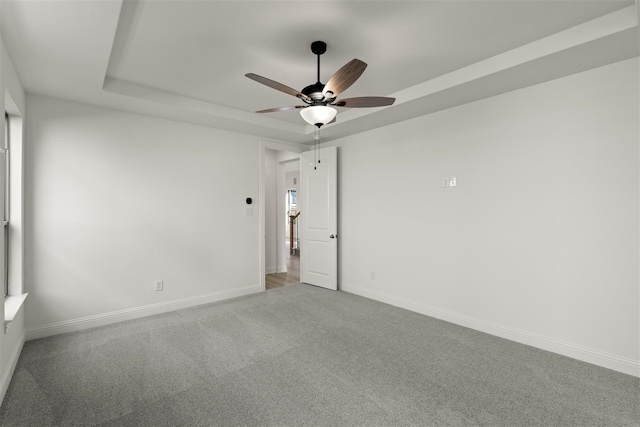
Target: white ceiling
<point>186,60</point>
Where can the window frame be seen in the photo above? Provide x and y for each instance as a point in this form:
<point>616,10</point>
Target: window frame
<point>7,186</point>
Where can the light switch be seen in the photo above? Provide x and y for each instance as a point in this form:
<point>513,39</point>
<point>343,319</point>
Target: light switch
<point>449,181</point>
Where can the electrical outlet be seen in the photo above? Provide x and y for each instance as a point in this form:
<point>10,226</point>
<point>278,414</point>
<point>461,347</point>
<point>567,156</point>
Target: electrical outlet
<point>445,182</point>
<point>159,285</point>
<point>452,181</point>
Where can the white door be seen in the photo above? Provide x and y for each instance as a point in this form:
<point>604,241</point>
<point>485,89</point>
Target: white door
<point>319,218</point>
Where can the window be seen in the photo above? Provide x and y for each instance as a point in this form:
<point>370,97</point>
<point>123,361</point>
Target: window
<point>5,148</point>
<point>291,202</point>
<point>11,194</point>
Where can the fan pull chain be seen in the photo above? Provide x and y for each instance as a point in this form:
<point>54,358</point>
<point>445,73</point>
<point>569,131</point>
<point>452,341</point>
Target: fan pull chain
<point>316,137</point>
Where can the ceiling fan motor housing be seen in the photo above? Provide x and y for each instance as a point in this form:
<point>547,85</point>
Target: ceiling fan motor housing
<point>314,91</point>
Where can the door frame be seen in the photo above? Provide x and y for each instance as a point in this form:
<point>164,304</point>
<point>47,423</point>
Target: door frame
<point>266,144</point>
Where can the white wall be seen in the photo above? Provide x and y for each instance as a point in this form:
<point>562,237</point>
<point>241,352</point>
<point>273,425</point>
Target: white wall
<point>11,341</point>
<point>291,180</point>
<point>539,242</point>
<point>116,201</point>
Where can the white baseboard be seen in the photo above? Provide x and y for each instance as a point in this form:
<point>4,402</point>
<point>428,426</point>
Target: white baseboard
<point>270,270</point>
<point>9,370</point>
<point>103,319</point>
<point>595,357</point>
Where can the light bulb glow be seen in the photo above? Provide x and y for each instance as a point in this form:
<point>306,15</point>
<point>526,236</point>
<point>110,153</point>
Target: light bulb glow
<point>318,115</point>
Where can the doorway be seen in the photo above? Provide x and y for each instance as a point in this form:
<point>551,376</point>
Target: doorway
<point>281,219</point>
<point>292,232</point>
<point>290,277</point>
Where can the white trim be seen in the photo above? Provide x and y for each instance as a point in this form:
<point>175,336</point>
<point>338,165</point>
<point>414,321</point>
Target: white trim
<point>12,305</point>
<point>283,146</point>
<point>103,319</point>
<point>262,236</point>
<point>585,354</point>
<point>269,144</point>
<point>8,373</point>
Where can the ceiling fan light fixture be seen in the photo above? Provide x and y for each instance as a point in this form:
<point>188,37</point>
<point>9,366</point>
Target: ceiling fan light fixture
<point>321,98</point>
<point>318,115</point>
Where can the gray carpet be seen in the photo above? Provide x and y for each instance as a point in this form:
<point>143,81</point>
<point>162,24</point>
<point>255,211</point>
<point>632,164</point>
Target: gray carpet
<point>301,355</point>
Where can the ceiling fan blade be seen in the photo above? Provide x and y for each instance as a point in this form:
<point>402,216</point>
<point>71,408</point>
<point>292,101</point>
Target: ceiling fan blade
<point>364,102</point>
<point>273,110</point>
<point>277,86</point>
<point>344,77</point>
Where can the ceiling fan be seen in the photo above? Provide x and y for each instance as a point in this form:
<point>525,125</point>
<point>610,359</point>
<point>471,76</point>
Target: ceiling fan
<point>320,99</point>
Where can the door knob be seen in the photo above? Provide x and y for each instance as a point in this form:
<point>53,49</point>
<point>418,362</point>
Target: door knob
<point>332,236</point>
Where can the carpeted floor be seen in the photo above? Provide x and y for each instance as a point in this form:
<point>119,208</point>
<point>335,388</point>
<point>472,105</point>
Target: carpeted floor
<point>301,355</point>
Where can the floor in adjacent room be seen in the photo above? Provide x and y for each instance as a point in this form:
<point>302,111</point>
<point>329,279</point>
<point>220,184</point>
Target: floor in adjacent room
<point>291,277</point>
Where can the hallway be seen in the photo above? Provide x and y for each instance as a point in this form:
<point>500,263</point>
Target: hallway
<point>291,277</point>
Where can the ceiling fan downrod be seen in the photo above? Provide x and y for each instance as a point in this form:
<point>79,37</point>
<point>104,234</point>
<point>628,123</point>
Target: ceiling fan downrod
<point>314,91</point>
<point>318,48</point>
